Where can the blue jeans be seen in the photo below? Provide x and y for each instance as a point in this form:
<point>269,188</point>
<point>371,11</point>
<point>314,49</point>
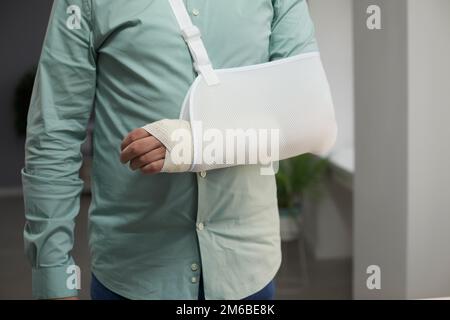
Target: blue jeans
<point>100,292</point>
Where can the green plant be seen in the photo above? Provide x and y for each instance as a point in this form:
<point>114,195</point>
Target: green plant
<point>22,97</point>
<point>299,176</point>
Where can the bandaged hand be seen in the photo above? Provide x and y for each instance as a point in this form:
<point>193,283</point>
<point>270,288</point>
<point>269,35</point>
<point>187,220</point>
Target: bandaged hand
<point>143,152</point>
<point>176,137</point>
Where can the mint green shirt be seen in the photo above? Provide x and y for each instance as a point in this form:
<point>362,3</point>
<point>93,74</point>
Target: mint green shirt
<point>150,236</point>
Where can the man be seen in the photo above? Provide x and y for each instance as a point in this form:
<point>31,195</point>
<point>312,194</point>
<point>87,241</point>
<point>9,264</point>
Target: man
<point>153,235</point>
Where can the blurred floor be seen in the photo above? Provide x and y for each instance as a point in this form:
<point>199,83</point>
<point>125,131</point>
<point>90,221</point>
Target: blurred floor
<point>330,279</point>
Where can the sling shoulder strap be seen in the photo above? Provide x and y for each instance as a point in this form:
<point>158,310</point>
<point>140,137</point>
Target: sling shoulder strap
<point>191,34</point>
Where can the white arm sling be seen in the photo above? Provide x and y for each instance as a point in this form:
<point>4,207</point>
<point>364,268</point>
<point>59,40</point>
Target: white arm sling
<point>291,96</point>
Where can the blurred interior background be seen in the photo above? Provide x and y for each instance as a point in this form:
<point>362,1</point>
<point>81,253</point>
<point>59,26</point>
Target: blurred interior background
<point>382,197</point>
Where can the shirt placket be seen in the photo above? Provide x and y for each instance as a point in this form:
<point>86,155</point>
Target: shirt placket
<point>194,10</point>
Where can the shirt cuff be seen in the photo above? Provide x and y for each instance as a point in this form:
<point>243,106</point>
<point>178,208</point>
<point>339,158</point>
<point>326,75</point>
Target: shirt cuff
<point>51,283</point>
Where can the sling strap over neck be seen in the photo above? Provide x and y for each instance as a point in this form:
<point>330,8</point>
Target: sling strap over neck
<point>191,34</point>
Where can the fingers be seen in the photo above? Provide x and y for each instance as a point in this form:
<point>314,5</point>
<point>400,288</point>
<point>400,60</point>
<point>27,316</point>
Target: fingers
<point>143,151</point>
<point>139,148</point>
<point>148,158</point>
<point>154,167</point>
<point>134,135</point>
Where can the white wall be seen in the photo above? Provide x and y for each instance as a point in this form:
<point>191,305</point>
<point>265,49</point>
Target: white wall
<point>334,32</point>
<point>402,193</point>
<point>429,149</point>
<point>329,222</point>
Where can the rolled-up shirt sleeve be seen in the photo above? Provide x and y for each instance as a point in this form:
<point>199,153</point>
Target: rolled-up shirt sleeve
<point>59,112</point>
<point>292,29</point>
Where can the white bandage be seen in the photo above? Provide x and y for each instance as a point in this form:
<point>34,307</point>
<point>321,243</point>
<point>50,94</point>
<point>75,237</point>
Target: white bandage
<point>174,135</point>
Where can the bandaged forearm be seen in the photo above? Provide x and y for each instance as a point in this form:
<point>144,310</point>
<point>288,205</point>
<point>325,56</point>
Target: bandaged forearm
<point>218,150</point>
<point>254,115</point>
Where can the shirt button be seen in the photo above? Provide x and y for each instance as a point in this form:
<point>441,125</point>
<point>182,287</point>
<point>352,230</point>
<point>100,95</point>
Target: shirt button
<point>194,279</point>
<point>195,12</point>
<point>200,226</point>
<point>194,267</point>
<point>203,174</point>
